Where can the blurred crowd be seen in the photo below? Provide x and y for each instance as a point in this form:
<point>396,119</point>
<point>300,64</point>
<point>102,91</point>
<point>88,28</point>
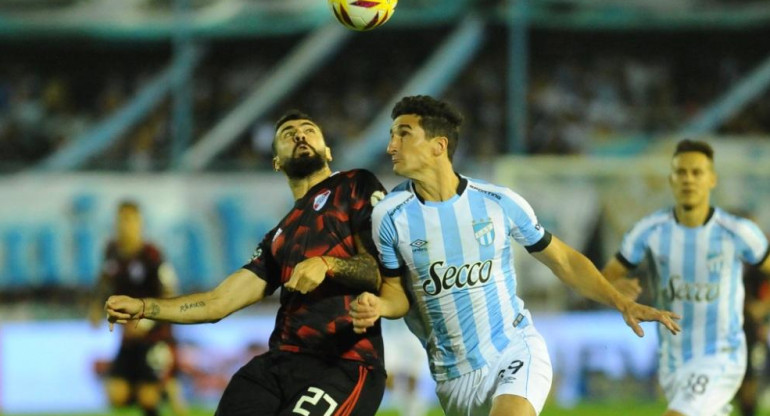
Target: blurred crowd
<point>587,92</point>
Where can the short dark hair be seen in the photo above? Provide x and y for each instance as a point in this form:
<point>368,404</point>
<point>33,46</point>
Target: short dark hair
<point>688,145</point>
<point>437,118</point>
<point>290,115</point>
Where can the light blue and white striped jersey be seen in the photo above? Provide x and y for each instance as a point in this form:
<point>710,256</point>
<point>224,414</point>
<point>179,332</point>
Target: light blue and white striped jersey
<point>457,262</point>
<point>698,274</point>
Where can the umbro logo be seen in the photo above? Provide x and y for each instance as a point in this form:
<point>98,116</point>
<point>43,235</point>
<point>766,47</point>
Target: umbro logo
<point>419,245</point>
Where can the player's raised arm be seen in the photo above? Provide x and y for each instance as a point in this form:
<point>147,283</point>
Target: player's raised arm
<point>617,274</point>
<point>359,271</point>
<point>578,272</point>
<point>237,291</point>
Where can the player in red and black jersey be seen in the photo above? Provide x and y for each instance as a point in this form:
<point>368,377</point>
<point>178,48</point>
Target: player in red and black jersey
<point>324,222</point>
<point>319,255</point>
<point>143,366</point>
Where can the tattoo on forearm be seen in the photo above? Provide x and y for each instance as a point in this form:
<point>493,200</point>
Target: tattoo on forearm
<point>359,271</point>
<point>188,306</point>
<point>153,309</point>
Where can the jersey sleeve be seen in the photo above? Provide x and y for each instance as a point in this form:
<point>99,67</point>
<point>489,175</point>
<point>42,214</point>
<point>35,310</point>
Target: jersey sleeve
<point>154,256</point>
<point>366,191</point>
<point>752,244</point>
<point>264,265</point>
<point>524,226</point>
<point>386,241</point>
<point>634,245</point>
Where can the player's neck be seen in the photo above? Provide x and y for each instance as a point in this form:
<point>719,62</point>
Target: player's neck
<point>438,184</point>
<point>299,187</point>
<point>693,217</point>
<point>128,246</point>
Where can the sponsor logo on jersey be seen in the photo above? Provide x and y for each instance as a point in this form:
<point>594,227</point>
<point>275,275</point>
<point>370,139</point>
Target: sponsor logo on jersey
<point>320,199</point>
<point>419,245</point>
<point>492,194</point>
<point>484,231</point>
<point>518,320</point>
<point>678,289</point>
<point>406,201</point>
<point>469,275</point>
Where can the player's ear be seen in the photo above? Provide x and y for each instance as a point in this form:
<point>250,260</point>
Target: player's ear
<point>440,145</point>
<point>328,154</point>
<point>276,163</point>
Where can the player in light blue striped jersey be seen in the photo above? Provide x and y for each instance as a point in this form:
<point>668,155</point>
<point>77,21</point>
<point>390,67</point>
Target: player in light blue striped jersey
<point>696,253</point>
<point>449,238</point>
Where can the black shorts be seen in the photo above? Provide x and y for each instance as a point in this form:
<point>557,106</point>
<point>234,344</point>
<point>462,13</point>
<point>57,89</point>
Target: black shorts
<point>283,383</point>
<point>142,362</point>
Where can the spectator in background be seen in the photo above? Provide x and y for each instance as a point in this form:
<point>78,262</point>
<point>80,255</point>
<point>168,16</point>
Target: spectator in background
<point>144,365</point>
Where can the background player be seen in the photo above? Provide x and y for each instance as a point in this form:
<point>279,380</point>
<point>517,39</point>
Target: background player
<point>697,252</point>
<point>319,254</point>
<point>449,236</point>
<point>144,364</point>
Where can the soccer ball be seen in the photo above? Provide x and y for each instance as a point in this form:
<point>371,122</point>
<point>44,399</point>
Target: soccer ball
<point>362,14</point>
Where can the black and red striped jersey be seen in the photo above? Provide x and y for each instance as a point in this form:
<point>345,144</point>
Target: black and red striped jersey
<point>138,276</point>
<point>323,222</point>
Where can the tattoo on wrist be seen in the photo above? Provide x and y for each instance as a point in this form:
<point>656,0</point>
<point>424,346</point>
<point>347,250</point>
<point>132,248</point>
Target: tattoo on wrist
<point>187,306</point>
<point>153,310</point>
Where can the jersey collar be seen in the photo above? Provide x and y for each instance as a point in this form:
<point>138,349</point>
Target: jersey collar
<point>706,221</point>
<point>460,187</point>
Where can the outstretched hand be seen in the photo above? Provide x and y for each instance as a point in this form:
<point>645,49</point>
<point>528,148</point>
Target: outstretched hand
<point>635,313</point>
<point>365,311</point>
<point>121,309</point>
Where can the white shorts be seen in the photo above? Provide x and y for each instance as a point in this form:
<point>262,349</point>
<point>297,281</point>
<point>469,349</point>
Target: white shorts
<point>704,386</point>
<point>522,369</point>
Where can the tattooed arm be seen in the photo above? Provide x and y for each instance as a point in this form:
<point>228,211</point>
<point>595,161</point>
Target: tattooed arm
<point>359,271</point>
<point>237,291</point>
